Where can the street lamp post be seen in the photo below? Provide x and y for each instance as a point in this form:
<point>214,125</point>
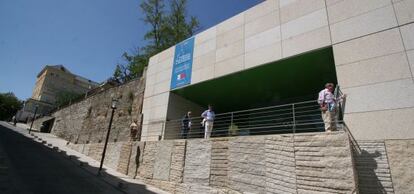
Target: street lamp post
<point>113,107</point>
<point>34,117</point>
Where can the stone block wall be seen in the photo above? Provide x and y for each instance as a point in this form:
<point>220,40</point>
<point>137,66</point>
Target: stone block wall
<point>162,162</point>
<point>401,160</point>
<point>219,162</point>
<point>280,164</point>
<point>148,160</point>
<point>247,170</point>
<point>135,158</point>
<point>124,158</point>
<point>323,164</point>
<point>87,121</point>
<point>197,162</point>
<point>304,163</point>
<point>177,161</point>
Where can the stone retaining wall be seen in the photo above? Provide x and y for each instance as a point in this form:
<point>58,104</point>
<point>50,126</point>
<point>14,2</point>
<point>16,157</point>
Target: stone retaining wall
<point>87,121</point>
<point>304,163</point>
<point>401,160</point>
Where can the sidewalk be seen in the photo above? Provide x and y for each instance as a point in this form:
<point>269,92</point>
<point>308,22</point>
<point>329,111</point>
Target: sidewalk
<point>118,180</point>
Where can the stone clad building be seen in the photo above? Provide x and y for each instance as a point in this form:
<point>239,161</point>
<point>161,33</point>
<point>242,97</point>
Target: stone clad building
<point>365,46</point>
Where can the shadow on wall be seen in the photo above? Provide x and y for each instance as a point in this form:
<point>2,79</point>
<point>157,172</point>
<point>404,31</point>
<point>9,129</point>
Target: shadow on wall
<point>137,163</point>
<point>373,169</point>
<point>113,180</point>
<point>124,157</point>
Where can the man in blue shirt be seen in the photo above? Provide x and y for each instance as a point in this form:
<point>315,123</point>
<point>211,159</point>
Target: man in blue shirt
<point>186,125</point>
<point>208,116</point>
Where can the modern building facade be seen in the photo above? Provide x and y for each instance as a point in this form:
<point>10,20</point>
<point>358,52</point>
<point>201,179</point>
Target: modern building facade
<point>290,49</point>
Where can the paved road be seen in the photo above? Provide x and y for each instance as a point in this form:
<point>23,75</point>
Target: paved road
<point>34,169</point>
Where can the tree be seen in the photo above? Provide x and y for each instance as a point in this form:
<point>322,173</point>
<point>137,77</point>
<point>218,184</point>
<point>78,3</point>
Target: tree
<point>178,28</point>
<point>154,16</point>
<point>120,73</point>
<point>166,30</point>
<point>9,105</point>
<point>135,64</point>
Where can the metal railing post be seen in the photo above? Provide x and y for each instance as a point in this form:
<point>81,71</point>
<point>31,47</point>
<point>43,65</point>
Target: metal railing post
<point>230,131</point>
<point>231,120</point>
<point>163,131</point>
<point>294,118</point>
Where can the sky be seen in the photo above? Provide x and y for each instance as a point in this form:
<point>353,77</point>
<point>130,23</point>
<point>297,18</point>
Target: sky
<point>86,36</point>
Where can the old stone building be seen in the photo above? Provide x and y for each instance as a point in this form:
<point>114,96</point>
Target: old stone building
<point>53,81</point>
<point>56,79</point>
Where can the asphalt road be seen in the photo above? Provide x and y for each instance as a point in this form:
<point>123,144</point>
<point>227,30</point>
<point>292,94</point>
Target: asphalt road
<point>34,169</point>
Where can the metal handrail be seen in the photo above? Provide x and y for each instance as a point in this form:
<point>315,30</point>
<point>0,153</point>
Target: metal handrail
<point>287,118</point>
<point>341,107</point>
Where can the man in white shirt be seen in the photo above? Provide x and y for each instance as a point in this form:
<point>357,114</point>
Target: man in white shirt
<point>327,102</point>
<point>208,116</point>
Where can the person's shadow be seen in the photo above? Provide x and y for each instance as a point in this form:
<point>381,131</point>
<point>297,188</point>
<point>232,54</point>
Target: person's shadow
<point>368,180</point>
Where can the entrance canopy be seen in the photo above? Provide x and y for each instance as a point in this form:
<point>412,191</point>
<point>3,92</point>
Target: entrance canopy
<point>298,78</point>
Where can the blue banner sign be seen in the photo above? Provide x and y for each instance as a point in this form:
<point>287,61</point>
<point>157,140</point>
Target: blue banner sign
<point>183,62</point>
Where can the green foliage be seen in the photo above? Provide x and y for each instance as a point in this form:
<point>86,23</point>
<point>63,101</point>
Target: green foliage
<point>155,17</point>
<point>9,105</point>
<point>119,72</point>
<point>133,67</point>
<point>64,98</point>
<point>177,27</point>
<point>166,30</point>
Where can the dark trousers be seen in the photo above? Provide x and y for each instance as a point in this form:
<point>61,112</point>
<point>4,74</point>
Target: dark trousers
<point>184,132</point>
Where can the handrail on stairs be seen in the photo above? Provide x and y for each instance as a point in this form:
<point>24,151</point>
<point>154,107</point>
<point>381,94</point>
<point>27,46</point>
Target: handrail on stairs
<point>341,114</point>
